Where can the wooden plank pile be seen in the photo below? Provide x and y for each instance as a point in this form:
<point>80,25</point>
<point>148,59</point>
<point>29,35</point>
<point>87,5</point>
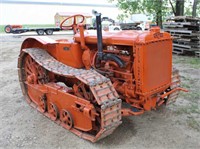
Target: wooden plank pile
<point>186,33</point>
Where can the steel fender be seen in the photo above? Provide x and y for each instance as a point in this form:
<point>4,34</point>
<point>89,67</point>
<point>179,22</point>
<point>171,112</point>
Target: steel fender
<point>39,42</point>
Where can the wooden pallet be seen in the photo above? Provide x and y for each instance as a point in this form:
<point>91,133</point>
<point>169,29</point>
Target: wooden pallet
<point>189,40</point>
<point>183,32</point>
<point>180,51</point>
<point>186,34</point>
<point>183,19</point>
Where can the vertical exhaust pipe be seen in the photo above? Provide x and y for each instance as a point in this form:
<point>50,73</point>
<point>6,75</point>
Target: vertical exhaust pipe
<point>99,35</point>
<point>100,55</point>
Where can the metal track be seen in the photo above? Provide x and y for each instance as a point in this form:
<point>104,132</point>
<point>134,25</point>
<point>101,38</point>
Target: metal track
<point>101,87</point>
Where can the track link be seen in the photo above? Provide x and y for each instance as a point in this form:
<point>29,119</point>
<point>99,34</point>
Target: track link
<point>101,87</point>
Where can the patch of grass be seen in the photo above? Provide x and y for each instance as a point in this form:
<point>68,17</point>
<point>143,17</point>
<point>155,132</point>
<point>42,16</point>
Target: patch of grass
<point>28,26</point>
<point>189,109</point>
<point>2,28</point>
<point>182,110</point>
<point>188,78</point>
<point>194,109</point>
<point>185,85</point>
<point>38,25</point>
<point>192,123</point>
<point>194,62</point>
<point>189,83</point>
<point>191,96</point>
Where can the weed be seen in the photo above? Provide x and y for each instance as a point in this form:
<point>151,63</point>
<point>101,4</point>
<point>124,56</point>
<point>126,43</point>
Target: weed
<point>186,85</point>
<point>194,109</point>
<point>189,109</point>
<point>191,96</point>
<point>194,62</point>
<point>192,123</point>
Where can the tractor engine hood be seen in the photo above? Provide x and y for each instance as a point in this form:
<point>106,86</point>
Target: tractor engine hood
<point>126,38</point>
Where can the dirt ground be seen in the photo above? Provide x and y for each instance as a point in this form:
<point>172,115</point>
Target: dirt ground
<point>174,126</point>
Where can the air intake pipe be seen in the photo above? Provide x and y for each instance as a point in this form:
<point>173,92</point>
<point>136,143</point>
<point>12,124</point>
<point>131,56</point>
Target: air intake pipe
<point>100,54</point>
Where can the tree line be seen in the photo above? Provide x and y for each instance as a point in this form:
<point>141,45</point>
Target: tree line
<point>160,9</point>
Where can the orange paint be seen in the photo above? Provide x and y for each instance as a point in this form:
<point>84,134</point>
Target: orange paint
<point>90,105</point>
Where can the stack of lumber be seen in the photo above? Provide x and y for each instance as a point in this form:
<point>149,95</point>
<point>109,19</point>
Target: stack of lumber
<point>186,34</point>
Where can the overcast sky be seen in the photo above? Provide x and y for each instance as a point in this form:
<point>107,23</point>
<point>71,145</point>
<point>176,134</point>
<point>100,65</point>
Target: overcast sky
<point>43,11</point>
<point>17,12</point>
<point>74,1</point>
<point>89,2</point>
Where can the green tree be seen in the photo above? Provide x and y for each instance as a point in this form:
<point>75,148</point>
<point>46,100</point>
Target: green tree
<point>188,8</point>
<point>192,8</point>
<point>121,17</point>
<point>158,8</point>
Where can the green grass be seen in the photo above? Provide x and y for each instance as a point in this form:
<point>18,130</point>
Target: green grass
<point>2,28</point>
<point>28,26</point>
<point>186,85</point>
<point>189,109</point>
<point>192,123</point>
<point>190,83</point>
<point>194,62</point>
<point>191,95</point>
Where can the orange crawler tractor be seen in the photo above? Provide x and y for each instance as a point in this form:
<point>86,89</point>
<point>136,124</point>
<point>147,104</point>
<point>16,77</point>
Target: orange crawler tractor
<point>88,84</point>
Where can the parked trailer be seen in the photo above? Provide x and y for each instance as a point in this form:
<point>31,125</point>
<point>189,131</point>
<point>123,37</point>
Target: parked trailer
<point>15,29</point>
